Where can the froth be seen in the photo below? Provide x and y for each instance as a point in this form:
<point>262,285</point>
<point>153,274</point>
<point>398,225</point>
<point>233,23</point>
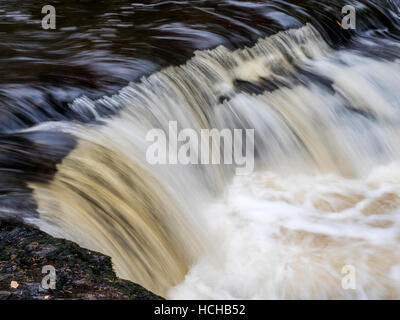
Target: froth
<point>282,237</point>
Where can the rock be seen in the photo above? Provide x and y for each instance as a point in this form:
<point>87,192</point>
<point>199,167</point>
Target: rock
<point>79,273</point>
<point>4,295</point>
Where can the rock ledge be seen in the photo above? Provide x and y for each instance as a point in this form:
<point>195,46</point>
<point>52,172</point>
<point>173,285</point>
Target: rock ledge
<point>80,273</point>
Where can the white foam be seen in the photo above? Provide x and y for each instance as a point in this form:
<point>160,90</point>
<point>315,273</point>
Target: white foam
<point>281,237</point>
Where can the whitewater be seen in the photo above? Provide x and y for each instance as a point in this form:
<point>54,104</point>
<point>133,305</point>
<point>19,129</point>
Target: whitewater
<point>325,193</point>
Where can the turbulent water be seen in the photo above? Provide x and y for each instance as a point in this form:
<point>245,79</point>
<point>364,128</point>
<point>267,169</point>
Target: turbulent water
<point>325,193</point>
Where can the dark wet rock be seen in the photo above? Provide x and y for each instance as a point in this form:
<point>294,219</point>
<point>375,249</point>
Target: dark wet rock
<point>80,273</point>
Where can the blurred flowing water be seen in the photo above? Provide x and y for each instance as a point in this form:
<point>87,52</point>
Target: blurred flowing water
<point>77,102</point>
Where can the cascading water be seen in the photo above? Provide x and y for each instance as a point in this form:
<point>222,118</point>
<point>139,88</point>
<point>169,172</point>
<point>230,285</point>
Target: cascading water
<point>325,192</point>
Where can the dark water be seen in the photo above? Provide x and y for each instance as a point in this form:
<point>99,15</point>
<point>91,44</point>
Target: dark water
<point>100,46</point>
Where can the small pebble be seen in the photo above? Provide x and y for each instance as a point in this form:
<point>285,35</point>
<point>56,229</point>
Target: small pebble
<point>14,284</point>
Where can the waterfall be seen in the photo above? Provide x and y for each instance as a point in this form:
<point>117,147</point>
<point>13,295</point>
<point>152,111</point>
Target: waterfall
<point>325,122</point>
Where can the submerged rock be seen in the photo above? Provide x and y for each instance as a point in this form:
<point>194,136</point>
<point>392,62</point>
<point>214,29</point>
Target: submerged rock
<point>79,273</point>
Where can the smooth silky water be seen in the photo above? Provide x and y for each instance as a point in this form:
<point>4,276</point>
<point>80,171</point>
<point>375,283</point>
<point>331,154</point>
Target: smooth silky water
<point>325,192</point>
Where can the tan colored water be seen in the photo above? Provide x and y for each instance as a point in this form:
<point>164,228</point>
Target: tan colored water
<point>321,197</point>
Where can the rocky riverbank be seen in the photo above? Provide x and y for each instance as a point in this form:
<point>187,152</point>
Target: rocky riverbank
<point>79,273</point>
